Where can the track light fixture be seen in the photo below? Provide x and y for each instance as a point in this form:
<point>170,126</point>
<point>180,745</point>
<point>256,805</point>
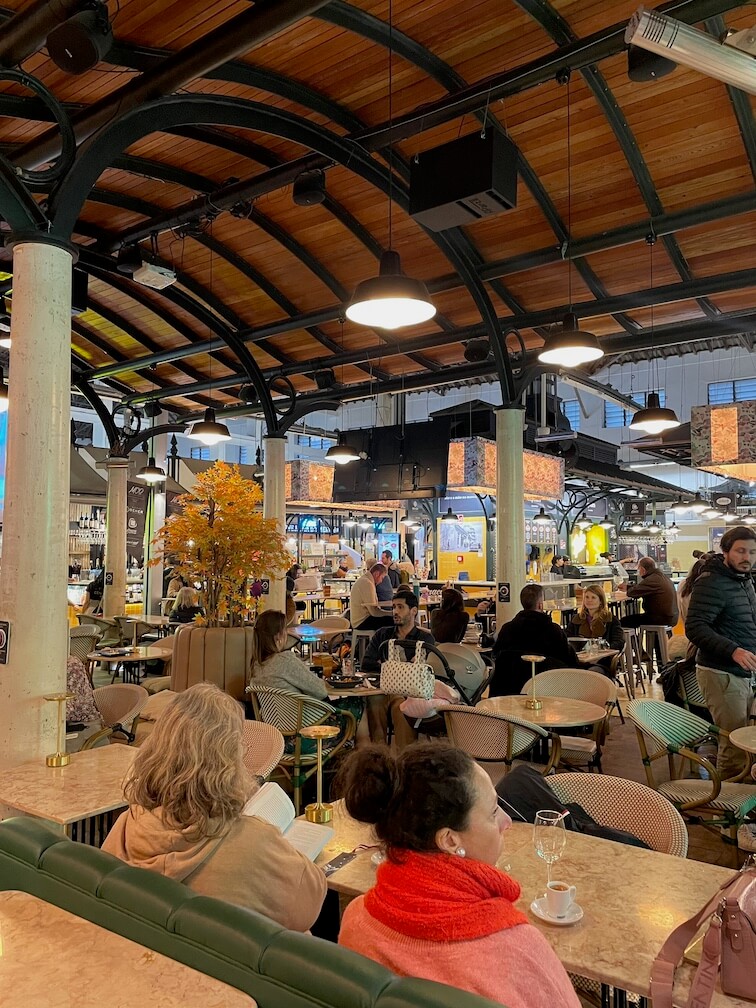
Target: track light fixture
<point>208,430</point>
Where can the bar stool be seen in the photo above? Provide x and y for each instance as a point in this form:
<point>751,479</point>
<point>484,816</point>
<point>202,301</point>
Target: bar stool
<point>360,640</point>
<point>655,643</point>
<point>633,658</point>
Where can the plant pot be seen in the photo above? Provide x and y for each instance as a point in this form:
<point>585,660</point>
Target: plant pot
<point>219,655</point>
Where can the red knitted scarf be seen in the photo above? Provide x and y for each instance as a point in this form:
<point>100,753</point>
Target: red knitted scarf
<point>440,897</point>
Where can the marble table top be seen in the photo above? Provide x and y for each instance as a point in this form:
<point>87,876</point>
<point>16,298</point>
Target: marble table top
<point>150,620</point>
<point>52,959</point>
<point>135,654</point>
<point>591,657</point>
<point>91,784</point>
<point>631,898</point>
<point>556,712</point>
<point>744,738</point>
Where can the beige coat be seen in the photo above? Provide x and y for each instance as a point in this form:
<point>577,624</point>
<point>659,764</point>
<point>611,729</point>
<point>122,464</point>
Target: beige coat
<point>253,865</point>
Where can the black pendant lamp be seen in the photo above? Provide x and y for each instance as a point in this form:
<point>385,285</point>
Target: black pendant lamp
<point>208,430</point>
<point>151,473</point>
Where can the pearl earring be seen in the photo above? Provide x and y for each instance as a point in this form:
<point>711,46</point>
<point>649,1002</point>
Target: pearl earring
<point>460,851</point>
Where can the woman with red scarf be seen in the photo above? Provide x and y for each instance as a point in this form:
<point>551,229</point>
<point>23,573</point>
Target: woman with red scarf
<point>441,909</point>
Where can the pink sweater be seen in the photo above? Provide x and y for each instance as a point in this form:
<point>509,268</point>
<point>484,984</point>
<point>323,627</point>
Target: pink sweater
<point>516,967</point>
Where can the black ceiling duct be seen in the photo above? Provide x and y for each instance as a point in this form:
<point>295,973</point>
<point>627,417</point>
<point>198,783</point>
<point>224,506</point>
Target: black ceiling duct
<point>82,41</point>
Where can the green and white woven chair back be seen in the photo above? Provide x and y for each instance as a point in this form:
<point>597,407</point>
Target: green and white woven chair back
<point>670,725</point>
<point>626,804</point>
<point>575,684</point>
<point>288,711</point>
<point>485,735</point>
<point>468,667</point>
<point>690,691</point>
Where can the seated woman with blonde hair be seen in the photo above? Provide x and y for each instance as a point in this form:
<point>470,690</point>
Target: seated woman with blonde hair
<point>186,790</point>
<point>440,908</point>
<point>186,606</point>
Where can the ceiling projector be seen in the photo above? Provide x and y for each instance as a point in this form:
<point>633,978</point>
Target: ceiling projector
<point>152,275</point>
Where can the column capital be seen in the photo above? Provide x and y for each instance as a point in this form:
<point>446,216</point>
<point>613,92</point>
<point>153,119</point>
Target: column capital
<point>42,238</point>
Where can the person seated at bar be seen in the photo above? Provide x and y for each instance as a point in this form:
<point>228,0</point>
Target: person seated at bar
<point>384,590</point>
<point>659,600</point>
<point>594,620</point>
<point>449,622</point>
<point>186,790</point>
<point>440,909</point>
<point>186,606</point>
<point>404,627</point>
<point>532,631</point>
<point>364,611</point>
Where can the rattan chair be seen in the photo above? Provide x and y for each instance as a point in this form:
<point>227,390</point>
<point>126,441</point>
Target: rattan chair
<point>263,748</point>
<point>496,738</point>
<point>289,713</point>
<point>628,805</point>
<point>119,706</point>
<point>673,732</point>
<point>109,629</point>
<point>135,631</point>
<point>82,641</point>
<point>580,684</point>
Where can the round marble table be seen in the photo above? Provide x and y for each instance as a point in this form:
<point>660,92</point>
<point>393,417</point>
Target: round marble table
<point>744,738</point>
<point>132,661</point>
<point>556,712</point>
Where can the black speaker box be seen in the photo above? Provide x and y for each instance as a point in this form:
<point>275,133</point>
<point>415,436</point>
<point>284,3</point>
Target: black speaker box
<point>79,295</point>
<point>464,181</point>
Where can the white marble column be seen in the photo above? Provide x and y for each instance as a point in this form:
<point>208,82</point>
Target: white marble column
<point>274,506</point>
<point>114,599</point>
<point>510,511</point>
<point>35,522</point>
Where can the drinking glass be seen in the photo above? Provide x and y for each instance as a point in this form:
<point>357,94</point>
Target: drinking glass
<point>549,837</point>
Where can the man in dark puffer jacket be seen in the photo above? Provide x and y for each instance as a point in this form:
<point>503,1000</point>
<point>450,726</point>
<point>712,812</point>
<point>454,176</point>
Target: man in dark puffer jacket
<point>721,622</point>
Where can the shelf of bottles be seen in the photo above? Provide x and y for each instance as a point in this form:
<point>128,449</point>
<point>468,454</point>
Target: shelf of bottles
<point>86,525</point>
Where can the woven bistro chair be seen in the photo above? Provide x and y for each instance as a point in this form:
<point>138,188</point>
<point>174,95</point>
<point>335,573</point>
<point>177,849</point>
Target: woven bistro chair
<point>289,713</point>
<point>82,641</point>
<point>119,706</point>
<point>496,738</point>
<point>263,748</point>
<point>664,729</point>
<point>627,805</point>
<point>111,632</point>
<point>579,684</point>
<point>135,631</point>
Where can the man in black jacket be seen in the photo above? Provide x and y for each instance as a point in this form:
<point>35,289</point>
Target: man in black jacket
<point>532,631</point>
<point>721,622</point>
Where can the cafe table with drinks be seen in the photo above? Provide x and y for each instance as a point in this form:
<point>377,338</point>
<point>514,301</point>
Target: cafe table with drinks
<point>625,902</point>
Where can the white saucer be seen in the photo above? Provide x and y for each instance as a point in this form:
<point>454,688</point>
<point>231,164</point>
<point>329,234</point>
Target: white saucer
<point>378,858</point>
<point>573,915</point>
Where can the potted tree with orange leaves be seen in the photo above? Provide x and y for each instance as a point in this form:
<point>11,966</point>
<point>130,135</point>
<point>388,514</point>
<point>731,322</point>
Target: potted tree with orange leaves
<point>221,541</point>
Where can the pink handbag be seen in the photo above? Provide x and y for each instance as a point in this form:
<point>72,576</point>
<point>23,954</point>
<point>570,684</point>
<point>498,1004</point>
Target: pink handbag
<point>728,948</point>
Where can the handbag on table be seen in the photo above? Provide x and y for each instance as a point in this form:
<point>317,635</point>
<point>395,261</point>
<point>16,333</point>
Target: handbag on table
<point>409,678</point>
<point>728,947</point>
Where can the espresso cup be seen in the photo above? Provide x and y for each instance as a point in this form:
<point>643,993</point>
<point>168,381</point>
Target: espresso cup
<point>559,898</point>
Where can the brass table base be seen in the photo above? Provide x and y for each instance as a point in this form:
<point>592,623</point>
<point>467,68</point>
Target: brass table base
<point>319,812</point>
<point>58,759</point>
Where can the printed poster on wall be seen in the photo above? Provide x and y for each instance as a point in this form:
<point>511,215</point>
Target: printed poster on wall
<point>461,549</point>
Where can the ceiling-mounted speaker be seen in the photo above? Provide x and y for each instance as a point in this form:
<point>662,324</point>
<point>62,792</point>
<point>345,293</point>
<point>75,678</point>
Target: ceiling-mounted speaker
<point>128,260</point>
<point>152,408</point>
<point>477,350</point>
<point>325,379</point>
<point>248,394</point>
<point>309,188</point>
<point>464,181</point>
<point>82,41</point>
<point>647,66</point>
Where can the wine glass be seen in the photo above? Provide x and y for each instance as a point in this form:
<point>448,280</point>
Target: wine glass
<point>549,837</point>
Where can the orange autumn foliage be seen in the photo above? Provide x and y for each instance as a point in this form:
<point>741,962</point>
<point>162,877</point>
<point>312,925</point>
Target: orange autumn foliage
<point>222,540</point>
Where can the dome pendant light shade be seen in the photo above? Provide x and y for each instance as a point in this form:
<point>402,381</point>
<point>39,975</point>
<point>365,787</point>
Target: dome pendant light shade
<point>654,419</point>
<point>342,453</point>
<point>570,346</point>
<point>698,504</point>
<point>606,522</point>
<point>542,518</point>
<point>390,300</point>
<point>449,516</point>
<point>151,473</point>
<point>208,430</point>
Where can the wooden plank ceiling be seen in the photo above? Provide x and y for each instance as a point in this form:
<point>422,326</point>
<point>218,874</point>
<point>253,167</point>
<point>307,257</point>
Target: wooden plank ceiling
<point>668,151</point>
